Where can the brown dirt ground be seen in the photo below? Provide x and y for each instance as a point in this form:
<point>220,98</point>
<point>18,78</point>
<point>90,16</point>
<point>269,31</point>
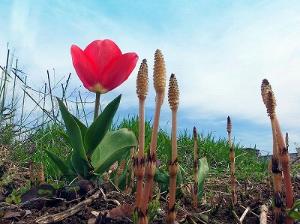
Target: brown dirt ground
<point>215,207</point>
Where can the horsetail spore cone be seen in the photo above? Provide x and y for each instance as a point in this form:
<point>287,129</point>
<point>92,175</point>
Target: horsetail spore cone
<point>142,80</point>
<point>173,97</point>
<point>265,88</point>
<point>173,94</point>
<point>287,140</point>
<point>159,74</point>
<point>271,104</point>
<point>195,168</point>
<point>229,129</point>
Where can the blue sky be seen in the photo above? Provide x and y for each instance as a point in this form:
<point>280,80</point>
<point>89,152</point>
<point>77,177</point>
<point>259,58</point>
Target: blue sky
<point>219,50</point>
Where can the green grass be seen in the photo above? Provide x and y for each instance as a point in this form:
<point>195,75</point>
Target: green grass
<point>248,166</point>
<point>33,149</point>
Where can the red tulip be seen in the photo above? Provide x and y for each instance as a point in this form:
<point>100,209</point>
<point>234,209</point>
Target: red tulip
<point>101,66</point>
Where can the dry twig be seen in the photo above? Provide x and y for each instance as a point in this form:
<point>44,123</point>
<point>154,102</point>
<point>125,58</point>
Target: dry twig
<point>69,212</point>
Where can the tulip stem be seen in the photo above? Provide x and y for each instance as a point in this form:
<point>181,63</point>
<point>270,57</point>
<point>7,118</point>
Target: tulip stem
<point>97,106</point>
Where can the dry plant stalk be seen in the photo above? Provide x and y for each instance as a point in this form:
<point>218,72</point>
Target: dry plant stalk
<point>263,218</point>
<point>280,155</point>
<point>232,163</point>
<point>119,172</point>
<point>173,98</point>
<point>287,140</point>
<point>269,101</point>
<point>129,186</point>
<point>37,175</point>
<point>159,79</point>
<point>195,168</point>
<point>139,161</point>
<point>53,218</point>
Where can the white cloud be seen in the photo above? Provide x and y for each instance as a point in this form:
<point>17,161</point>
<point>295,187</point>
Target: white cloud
<point>219,56</point>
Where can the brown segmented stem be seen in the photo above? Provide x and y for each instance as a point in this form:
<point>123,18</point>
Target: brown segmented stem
<point>173,98</point>
<point>232,163</point>
<point>270,103</point>
<point>142,90</point>
<point>282,151</point>
<point>173,168</point>
<point>280,155</point>
<point>287,140</point>
<point>140,161</point>
<point>174,135</point>
<point>285,163</point>
<point>277,178</point>
<point>159,80</point>
<point>151,161</point>
<point>195,168</point>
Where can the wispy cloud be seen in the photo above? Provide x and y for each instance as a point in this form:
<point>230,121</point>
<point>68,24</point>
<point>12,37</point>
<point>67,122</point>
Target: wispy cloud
<point>220,52</point>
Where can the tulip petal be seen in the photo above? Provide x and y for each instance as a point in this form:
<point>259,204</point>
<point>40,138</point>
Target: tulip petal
<point>119,70</point>
<point>102,53</point>
<point>84,68</point>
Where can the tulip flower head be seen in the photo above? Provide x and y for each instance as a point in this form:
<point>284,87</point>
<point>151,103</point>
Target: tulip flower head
<point>101,66</point>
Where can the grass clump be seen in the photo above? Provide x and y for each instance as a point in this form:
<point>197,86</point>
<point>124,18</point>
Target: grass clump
<point>51,137</point>
<point>248,164</point>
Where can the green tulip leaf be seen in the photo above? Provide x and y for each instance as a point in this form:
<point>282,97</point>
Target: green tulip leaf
<point>162,178</point>
<point>294,215</point>
<point>73,130</point>
<point>96,132</point>
<point>61,165</point>
<point>82,127</point>
<point>69,164</point>
<point>294,212</point>
<point>179,176</point>
<point>66,138</point>
<point>113,147</point>
<point>296,205</point>
<point>202,173</point>
<point>124,178</point>
<point>78,158</point>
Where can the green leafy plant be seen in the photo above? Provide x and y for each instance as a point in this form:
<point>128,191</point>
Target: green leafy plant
<point>153,208</point>
<point>135,217</point>
<point>294,212</point>
<point>95,148</point>
<point>14,198</point>
<point>202,174</point>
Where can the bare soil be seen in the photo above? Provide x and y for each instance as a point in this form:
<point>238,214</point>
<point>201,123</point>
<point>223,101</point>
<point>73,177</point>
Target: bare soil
<point>113,206</point>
